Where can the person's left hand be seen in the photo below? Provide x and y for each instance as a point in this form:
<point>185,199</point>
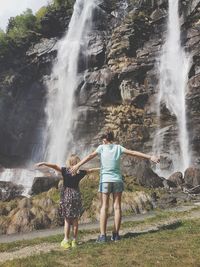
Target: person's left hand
<point>155,159</point>
<point>39,164</point>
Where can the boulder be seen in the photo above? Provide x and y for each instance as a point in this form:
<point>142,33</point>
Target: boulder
<point>142,171</point>
<point>20,221</point>
<point>138,202</point>
<point>9,190</point>
<point>168,184</point>
<point>192,176</point>
<point>41,219</point>
<point>42,184</point>
<point>176,178</point>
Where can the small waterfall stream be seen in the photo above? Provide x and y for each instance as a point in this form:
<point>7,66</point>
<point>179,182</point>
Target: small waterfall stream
<point>174,67</point>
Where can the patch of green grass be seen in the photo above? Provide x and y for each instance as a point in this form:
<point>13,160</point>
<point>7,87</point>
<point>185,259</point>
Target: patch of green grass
<point>24,243</point>
<point>168,247</point>
<point>160,216</point>
<point>53,194</point>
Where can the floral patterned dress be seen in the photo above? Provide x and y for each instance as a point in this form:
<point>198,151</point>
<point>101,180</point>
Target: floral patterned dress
<point>70,198</point>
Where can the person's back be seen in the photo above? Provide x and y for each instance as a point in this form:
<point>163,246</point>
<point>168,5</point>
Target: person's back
<point>110,162</point>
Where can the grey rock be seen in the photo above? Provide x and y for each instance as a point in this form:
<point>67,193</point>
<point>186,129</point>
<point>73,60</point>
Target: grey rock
<point>176,178</point>
<point>9,190</point>
<point>192,176</point>
<point>42,184</point>
<point>141,170</point>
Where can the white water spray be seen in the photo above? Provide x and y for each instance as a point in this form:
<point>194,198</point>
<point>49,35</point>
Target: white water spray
<point>22,177</point>
<point>174,68</point>
<point>65,79</point>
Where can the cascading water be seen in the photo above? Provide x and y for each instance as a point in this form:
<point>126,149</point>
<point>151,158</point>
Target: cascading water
<point>65,79</point>
<point>20,176</point>
<point>174,67</point>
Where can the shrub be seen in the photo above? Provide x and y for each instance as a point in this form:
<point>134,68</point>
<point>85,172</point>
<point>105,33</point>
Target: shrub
<point>21,28</point>
<point>25,21</point>
<point>40,14</point>
<point>3,43</point>
<point>63,3</point>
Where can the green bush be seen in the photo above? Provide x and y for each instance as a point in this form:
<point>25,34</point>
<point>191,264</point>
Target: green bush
<point>41,13</point>
<point>25,21</point>
<point>21,29</point>
<point>63,3</point>
<point>3,43</point>
<point>26,28</point>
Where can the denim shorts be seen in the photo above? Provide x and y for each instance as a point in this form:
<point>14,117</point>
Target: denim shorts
<point>116,187</point>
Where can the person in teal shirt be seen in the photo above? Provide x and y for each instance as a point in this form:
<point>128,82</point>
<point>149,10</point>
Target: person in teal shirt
<point>111,180</point>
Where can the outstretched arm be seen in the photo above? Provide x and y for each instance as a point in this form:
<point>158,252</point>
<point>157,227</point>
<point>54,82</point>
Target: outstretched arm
<point>75,168</point>
<point>50,165</point>
<point>141,155</point>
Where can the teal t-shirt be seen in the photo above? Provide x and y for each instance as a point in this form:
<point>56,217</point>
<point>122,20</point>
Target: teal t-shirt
<point>110,162</point>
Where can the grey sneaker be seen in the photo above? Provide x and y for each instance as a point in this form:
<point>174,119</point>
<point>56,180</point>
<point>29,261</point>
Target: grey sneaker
<point>115,237</point>
<point>101,239</point>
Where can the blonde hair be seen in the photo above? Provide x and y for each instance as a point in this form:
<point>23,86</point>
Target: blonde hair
<point>72,160</point>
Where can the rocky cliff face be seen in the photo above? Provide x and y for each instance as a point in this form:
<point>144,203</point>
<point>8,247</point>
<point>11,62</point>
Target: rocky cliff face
<point>119,86</point>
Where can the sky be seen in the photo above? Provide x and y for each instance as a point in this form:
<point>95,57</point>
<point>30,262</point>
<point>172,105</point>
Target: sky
<point>12,8</point>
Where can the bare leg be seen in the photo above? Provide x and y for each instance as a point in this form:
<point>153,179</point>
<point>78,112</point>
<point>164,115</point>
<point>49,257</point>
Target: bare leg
<point>117,211</point>
<point>103,212</point>
<point>67,228</point>
<point>75,228</point>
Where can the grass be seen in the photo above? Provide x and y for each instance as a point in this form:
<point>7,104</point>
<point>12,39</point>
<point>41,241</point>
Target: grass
<point>174,248</point>
<point>160,216</point>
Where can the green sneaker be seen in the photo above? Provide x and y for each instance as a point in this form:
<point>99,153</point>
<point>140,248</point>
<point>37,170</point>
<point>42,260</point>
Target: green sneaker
<point>74,244</point>
<point>65,244</point>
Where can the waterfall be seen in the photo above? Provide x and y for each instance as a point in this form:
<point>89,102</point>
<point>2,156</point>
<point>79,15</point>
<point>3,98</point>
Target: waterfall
<point>173,67</point>
<point>64,81</point>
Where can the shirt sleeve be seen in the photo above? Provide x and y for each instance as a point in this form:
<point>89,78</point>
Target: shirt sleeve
<point>99,149</point>
<point>63,171</point>
<point>122,149</point>
<point>82,174</point>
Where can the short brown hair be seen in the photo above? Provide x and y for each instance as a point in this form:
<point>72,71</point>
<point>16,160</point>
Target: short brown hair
<point>108,135</point>
<point>72,160</point>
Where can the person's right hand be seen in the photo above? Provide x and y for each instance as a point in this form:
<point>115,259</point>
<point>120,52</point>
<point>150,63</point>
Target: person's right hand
<point>155,159</point>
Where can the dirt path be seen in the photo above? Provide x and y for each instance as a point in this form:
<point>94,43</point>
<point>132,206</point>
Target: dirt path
<point>127,232</point>
<point>88,226</point>
<point>47,247</point>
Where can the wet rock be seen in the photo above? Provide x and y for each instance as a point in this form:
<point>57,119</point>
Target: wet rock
<point>96,50</point>
<point>20,221</point>
<point>9,190</point>
<point>176,178</point>
<point>42,184</point>
<point>168,184</point>
<point>137,202</point>
<point>158,14</point>
<point>41,219</point>
<point>25,203</point>
<point>194,190</point>
<point>192,176</point>
<point>144,175</point>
